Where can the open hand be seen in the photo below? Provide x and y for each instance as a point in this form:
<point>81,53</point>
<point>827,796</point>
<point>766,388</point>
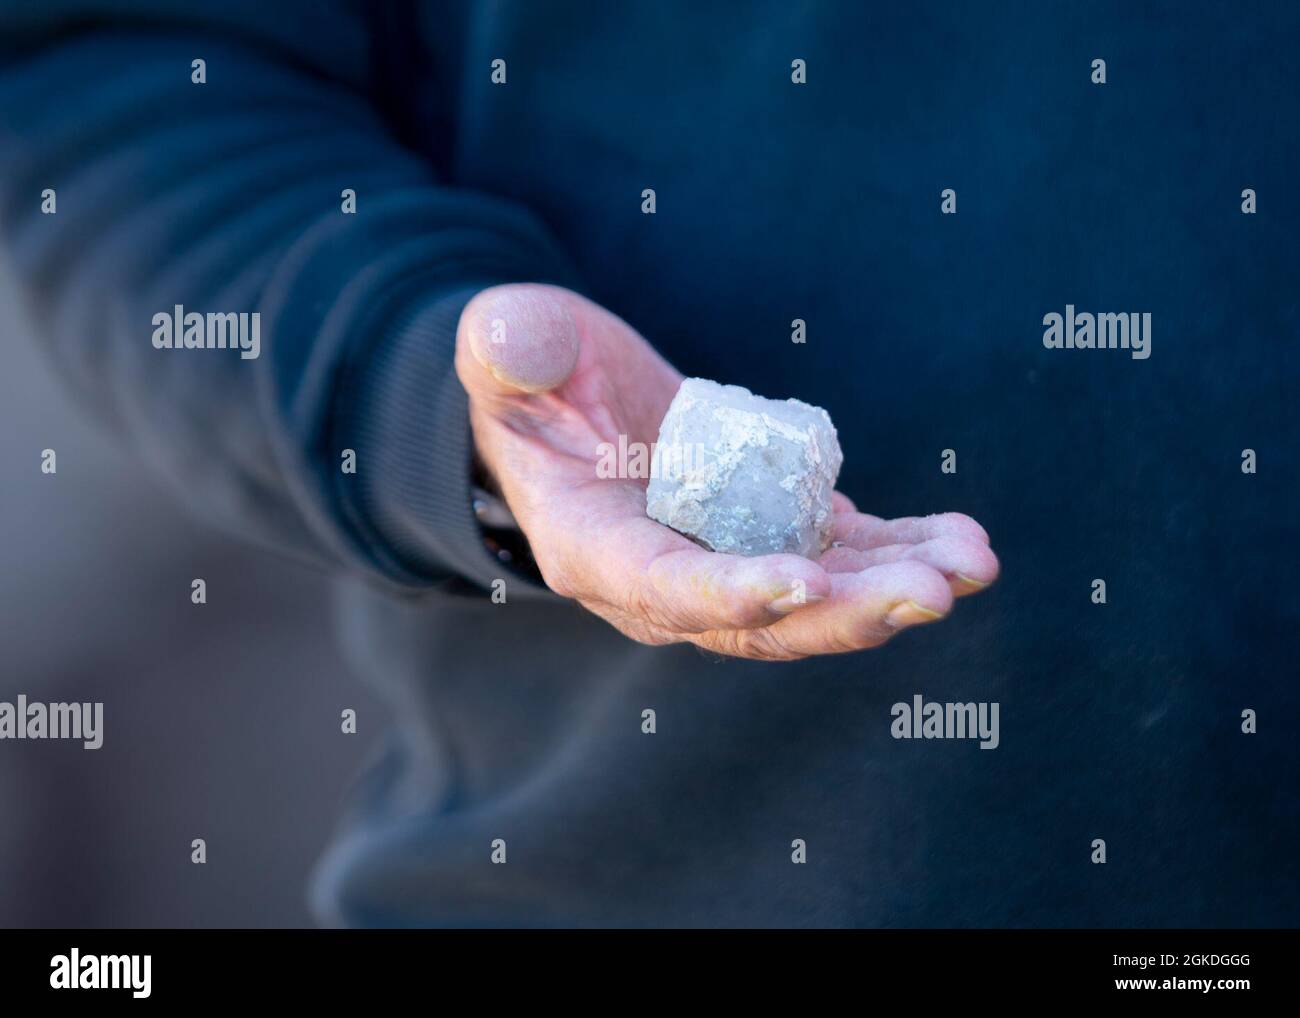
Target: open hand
<point>550,377</point>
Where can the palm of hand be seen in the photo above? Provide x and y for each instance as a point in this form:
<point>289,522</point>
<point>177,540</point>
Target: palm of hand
<point>552,376</point>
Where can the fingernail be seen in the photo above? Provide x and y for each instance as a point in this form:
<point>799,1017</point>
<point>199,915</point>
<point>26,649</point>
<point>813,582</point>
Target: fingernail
<point>787,603</point>
<point>967,584</point>
<point>909,613</point>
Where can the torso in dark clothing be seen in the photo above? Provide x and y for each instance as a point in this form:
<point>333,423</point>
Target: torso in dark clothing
<point>821,202</point>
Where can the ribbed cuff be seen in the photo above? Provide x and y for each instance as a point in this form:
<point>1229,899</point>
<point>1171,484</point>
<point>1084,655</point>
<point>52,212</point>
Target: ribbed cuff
<point>407,417</point>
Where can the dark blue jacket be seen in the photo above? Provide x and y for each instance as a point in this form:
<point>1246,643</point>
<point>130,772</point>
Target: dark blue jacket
<point>775,201</point>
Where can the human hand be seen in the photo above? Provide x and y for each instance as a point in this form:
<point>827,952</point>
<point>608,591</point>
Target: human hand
<point>550,377</point>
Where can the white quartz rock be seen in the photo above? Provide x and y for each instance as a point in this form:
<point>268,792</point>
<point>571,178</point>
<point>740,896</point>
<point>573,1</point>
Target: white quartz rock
<point>743,474</point>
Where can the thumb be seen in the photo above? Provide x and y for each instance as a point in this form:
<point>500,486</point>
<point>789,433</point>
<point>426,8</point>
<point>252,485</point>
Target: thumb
<point>518,338</point>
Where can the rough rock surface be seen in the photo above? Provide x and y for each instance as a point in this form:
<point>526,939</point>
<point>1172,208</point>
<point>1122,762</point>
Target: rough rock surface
<point>743,474</point>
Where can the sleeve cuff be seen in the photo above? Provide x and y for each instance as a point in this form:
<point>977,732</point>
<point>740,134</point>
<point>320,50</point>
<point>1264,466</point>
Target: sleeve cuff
<point>407,417</point>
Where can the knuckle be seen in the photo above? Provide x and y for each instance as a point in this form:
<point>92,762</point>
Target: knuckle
<point>743,614</point>
<point>765,645</point>
<point>649,636</point>
<point>872,634</point>
<point>926,584</point>
<point>633,628</point>
<point>961,525</point>
<point>638,603</point>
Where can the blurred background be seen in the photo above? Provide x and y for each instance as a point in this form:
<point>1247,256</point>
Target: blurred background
<point>221,721</point>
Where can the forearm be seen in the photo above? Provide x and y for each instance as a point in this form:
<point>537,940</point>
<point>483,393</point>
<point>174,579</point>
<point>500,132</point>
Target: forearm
<point>226,197</point>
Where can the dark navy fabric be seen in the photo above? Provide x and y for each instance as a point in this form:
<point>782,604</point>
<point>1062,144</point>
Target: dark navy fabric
<point>775,201</point>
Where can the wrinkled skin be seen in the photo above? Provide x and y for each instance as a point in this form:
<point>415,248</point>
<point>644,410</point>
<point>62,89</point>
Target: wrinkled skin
<point>550,376</point>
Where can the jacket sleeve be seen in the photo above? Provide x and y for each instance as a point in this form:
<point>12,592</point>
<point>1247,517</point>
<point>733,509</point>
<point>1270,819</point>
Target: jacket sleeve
<point>227,197</point>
